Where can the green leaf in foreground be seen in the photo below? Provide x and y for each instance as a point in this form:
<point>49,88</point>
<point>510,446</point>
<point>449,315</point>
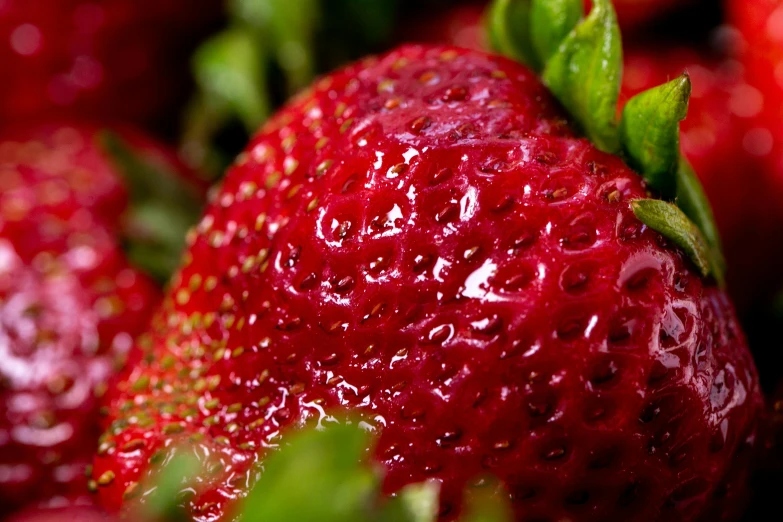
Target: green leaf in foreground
<point>670,221</point>
<point>550,22</point>
<point>318,476</point>
<point>161,503</point>
<point>650,133</point>
<point>487,504</point>
<point>584,74</point>
<point>508,24</point>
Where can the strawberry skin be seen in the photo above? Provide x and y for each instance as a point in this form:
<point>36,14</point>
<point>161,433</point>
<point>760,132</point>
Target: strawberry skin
<point>121,60</point>
<point>70,305</point>
<point>423,240</point>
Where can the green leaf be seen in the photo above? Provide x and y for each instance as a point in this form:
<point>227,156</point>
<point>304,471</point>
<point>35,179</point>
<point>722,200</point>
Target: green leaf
<point>650,133</point>
<point>317,477</point>
<point>231,67</point>
<point>162,503</point>
<point>584,74</point>
<point>508,26</point>
<point>672,222</point>
<point>487,504</point>
<point>162,208</point>
<point>414,503</point>
<point>550,22</point>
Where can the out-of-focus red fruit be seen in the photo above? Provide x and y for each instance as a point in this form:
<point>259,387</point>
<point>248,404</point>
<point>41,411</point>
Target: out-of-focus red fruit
<point>115,60</point>
<point>460,25</point>
<point>70,303</point>
<point>633,13</point>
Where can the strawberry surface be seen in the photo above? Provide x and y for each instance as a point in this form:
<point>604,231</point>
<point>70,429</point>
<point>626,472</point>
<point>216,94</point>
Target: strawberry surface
<point>70,304</point>
<point>116,60</point>
<point>424,240</point>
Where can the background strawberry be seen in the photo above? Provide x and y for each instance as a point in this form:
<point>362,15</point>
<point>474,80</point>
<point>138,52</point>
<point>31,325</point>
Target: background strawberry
<point>422,238</point>
<point>120,60</point>
<point>70,303</point>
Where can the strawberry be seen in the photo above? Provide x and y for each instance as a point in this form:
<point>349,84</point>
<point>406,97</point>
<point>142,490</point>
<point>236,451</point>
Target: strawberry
<point>426,240</point>
<point>121,60</point>
<point>70,302</point>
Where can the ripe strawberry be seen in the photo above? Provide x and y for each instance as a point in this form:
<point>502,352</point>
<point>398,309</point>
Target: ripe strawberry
<point>70,304</point>
<point>721,139</point>
<point>121,60</point>
<point>423,239</point>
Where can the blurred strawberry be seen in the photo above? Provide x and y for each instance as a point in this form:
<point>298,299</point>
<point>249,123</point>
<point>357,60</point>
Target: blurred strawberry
<point>633,13</point>
<point>116,60</point>
<point>70,302</point>
<point>460,25</point>
<point>63,514</point>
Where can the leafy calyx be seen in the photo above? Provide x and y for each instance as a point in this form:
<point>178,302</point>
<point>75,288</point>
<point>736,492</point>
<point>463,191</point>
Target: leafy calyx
<point>580,60</point>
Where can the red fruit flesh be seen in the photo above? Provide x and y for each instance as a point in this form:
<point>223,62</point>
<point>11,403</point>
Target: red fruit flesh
<point>70,306</point>
<point>423,240</point>
<point>121,60</point>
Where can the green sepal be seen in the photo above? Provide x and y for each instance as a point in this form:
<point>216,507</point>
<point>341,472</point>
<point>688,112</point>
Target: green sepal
<point>585,72</point>
<point>231,68</point>
<point>550,22</point>
<point>650,133</point>
<point>694,203</point>
<point>162,208</point>
<point>672,223</point>
<point>507,24</point>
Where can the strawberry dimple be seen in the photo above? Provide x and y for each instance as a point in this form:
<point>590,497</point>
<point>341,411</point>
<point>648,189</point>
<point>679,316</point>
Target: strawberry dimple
<point>477,291</point>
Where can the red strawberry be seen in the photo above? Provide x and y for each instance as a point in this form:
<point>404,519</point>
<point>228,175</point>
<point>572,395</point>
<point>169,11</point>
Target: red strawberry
<point>423,239</point>
<point>70,305</point>
<point>125,59</point>
<point>721,139</point>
